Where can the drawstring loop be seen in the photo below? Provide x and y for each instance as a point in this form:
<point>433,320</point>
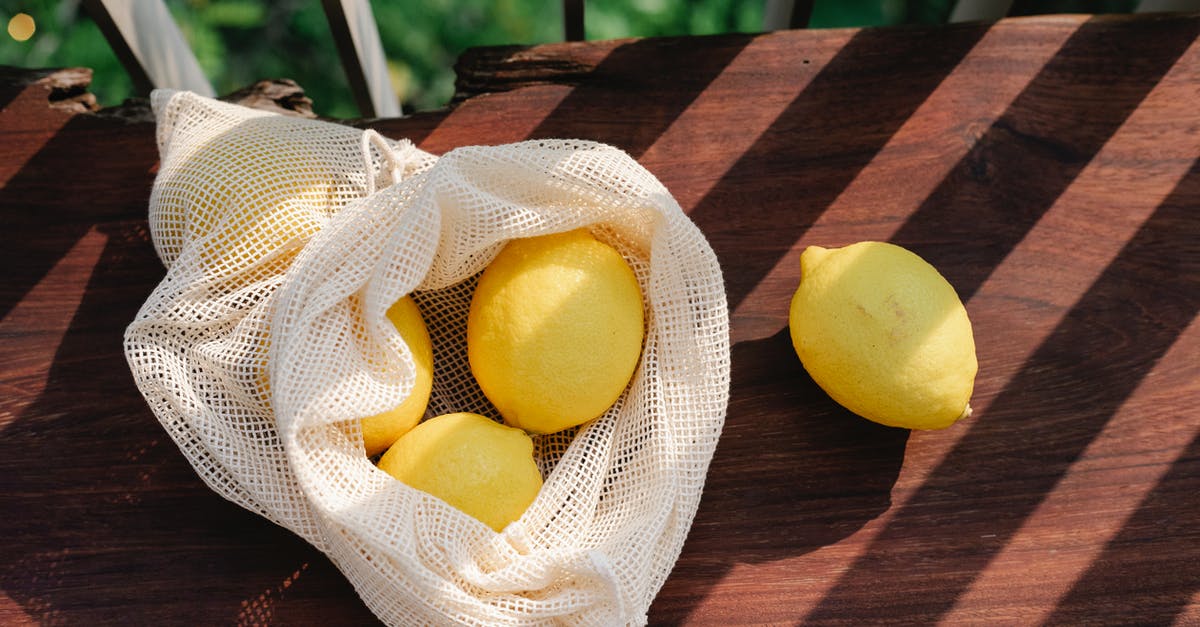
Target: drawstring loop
<point>393,164</point>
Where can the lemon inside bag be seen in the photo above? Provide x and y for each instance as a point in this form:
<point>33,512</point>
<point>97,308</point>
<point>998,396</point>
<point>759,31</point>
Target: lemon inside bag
<point>248,195</point>
<point>313,289</point>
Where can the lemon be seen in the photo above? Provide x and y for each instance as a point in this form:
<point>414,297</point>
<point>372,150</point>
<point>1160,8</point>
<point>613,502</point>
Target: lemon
<point>554,330</point>
<point>381,430</point>
<point>248,193</point>
<point>884,334</point>
<point>477,465</point>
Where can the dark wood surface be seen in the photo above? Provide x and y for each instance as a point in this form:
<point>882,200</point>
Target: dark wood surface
<point>1047,166</point>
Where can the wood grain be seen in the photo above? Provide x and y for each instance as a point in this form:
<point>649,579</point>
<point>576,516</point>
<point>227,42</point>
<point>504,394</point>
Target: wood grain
<point>104,522</point>
<point>1049,167</point>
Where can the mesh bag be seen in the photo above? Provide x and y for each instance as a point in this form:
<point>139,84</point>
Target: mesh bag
<point>286,240</point>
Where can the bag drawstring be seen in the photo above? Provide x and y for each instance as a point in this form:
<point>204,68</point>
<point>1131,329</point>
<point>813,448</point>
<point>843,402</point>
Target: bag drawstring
<point>394,158</point>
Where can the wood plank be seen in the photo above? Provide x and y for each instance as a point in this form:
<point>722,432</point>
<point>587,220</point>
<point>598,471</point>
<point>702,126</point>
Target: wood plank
<point>1050,174</point>
<point>105,522</point>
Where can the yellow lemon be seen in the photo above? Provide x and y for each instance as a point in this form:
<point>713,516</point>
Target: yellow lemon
<point>554,331</point>
<point>477,465</point>
<point>884,334</point>
<point>381,430</point>
<point>252,191</point>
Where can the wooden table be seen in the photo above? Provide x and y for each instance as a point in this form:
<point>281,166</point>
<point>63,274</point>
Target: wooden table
<point>1047,166</point>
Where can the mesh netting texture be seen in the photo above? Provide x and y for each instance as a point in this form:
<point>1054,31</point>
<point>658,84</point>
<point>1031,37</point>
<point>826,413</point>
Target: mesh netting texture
<point>285,242</point>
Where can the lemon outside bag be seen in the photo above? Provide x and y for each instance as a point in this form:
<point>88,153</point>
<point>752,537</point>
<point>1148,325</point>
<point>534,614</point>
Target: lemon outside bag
<point>285,241</point>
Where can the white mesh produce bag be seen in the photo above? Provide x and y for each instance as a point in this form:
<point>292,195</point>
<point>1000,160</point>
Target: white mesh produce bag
<point>286,240</point>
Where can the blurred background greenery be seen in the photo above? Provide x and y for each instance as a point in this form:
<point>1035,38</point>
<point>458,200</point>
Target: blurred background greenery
<point>241,41</point>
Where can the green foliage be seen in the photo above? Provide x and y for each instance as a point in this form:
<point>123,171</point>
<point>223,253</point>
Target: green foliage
<point>847,13</point>
<point>64,38</point>
<point>238,42</point>
<point>422,39</point>
<point>612,19</point>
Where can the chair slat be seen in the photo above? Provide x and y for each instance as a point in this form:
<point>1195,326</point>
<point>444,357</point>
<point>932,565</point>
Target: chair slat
<point>1168,6</point>
<point>358,44</point>
<point>149,44</point>
<point>980,10</point>
<point>783,14</point>
<point>573,20</point>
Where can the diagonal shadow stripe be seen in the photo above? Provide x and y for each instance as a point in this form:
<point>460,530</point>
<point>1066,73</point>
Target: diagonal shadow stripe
<point>1036,427</point>
<point>1155,557</point>
<point>854,105</point>
<point>76,167</point>
<point>1029,156</point>
<point>639,69</point>
<point>117,527</point>
<point>11,85</point>
<point>819,453</point>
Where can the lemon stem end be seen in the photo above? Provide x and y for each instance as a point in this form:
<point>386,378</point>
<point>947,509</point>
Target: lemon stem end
<point>810,259</point>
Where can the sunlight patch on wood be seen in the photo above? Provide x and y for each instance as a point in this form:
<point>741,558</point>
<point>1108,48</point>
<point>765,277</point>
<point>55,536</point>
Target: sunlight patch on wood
<point>12,614</point>
<point>1112,471</point>
<point>722,96</point>
<point>41,319</point>
<point>890,187</point>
